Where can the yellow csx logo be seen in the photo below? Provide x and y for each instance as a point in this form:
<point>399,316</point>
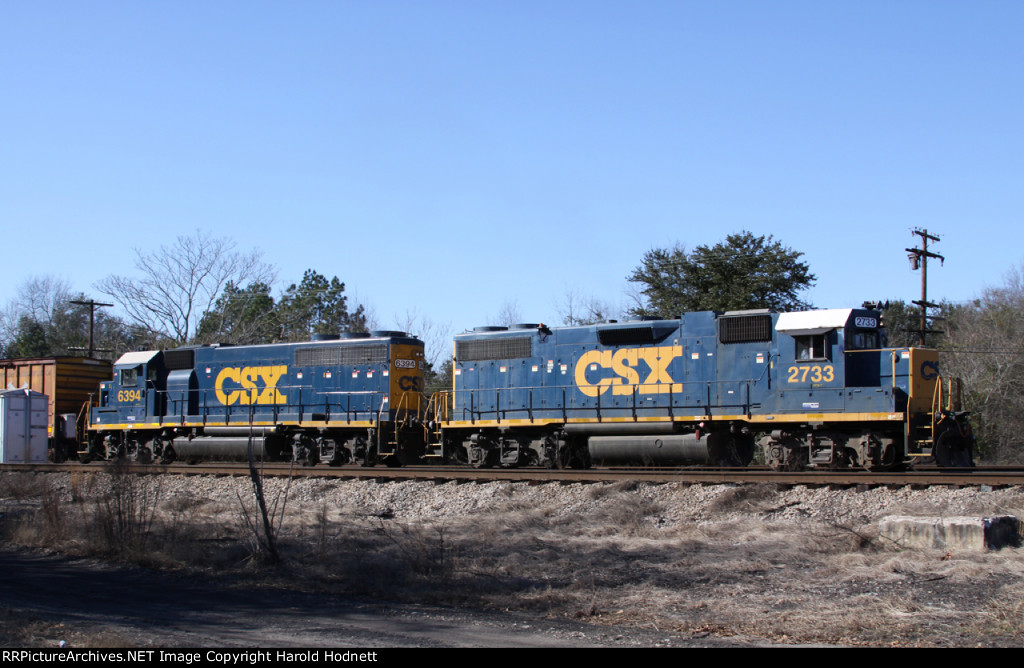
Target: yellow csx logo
<point>623,364</point>
<point>248,390</point>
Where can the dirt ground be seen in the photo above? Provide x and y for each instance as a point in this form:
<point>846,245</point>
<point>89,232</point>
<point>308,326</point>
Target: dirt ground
<point>146,561</point>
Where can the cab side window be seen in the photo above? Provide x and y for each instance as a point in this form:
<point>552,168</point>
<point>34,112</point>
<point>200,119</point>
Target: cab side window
<point>810,347</point>
<point>129,377</point>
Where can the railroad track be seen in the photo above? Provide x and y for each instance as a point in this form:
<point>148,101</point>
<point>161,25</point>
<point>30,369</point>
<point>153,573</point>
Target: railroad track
<point>988,476</point>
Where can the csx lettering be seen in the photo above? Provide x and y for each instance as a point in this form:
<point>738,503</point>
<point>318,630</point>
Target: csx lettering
<point>929,370</point>
<point>248,390</point>
<point>624,363</point>
<point>410,384</point>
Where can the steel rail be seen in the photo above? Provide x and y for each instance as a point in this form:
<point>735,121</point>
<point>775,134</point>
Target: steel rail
<point>992,477</point>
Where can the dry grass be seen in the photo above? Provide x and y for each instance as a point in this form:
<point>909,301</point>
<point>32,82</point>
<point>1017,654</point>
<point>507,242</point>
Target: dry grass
<point>117,515</point>
<point>736,571</point>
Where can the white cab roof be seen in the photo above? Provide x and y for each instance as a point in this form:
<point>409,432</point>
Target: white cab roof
<point>139,357</point>
<point>813,322</point>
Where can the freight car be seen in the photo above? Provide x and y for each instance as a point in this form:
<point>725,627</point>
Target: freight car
<point>68,383</point>
<point>352,398</point>
<point>819,387</point>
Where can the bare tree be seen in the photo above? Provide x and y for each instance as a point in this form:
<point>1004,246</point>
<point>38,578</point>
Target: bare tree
<point>369,310</point>
<point>986,350</point>
<point>508,314</point>
<point>39,298</point>
<point>43,319</point>
<point>436,336</point>
<point>575,309</point>
<point>177,284</point>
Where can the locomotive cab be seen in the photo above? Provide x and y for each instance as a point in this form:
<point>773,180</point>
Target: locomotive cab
<point>885,402</point>
<point>136,391</point>
<point>133,400</point>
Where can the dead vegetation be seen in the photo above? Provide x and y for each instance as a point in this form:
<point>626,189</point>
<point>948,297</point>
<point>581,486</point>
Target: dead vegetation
<point>735,566</point>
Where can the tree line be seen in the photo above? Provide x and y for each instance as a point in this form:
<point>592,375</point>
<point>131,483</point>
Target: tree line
<point>202,290</point>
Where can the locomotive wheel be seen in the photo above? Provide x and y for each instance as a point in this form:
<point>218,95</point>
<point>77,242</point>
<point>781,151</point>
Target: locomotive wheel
<point>369,458</point>
<point>891,459</point>
<point>786,459</point>
<point>143,455</point>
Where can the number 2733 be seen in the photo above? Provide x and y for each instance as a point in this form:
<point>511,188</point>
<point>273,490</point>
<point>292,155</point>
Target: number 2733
<point>815,374</point>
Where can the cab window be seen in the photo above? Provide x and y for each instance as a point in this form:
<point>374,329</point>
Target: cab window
<point>864,340</point>
<point>810,347</point>
<point>130,377</point>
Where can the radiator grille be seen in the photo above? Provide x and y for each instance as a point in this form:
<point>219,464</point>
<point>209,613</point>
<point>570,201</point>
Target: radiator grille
<point>341,355</point>
<point>502,348</point>
<point>745,329</point>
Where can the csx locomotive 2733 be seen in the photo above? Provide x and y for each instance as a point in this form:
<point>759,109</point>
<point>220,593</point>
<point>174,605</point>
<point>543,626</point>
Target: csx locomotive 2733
<point>818,388</point>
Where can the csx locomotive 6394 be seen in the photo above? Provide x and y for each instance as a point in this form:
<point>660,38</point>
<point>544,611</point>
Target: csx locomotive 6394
<point>350,399</point>
<point>813,389</point>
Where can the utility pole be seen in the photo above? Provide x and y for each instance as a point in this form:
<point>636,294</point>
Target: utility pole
<point>92,322</point>
<point>919,260</point>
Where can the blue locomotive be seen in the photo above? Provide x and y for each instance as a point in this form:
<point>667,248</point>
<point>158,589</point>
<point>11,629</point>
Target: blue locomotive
<point>819,387</point>
<point>812,389</point>
<point>350,398</point>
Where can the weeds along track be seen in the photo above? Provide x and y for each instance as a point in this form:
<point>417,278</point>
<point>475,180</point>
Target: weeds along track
<point>692,562</point>
<point>976,477</point>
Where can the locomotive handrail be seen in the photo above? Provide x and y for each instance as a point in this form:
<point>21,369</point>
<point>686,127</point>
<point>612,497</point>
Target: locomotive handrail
<point>892,356</point>
<point>938,405</point>
<point>177,407</point>
<point>404,406</point>
<point>380,412</point>
<point>475,410</point>
<point>764,371</point>
<point>82,421</point>
<point>439,402</point>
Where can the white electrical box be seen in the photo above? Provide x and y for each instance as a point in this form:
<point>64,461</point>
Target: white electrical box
<point>23,426</point>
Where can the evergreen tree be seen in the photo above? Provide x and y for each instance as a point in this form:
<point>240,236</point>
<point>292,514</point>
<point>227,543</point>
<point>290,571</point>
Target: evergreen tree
<point>29,341</point>
<point>742,272</point>
<point>241,316</point>
<point>317,306</point>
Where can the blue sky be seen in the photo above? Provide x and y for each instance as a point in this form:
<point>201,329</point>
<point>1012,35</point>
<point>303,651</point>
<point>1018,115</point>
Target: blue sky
<point>452,157</point>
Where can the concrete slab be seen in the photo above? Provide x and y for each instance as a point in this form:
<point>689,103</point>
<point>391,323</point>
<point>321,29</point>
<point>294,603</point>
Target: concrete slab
<point>952,533</point>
